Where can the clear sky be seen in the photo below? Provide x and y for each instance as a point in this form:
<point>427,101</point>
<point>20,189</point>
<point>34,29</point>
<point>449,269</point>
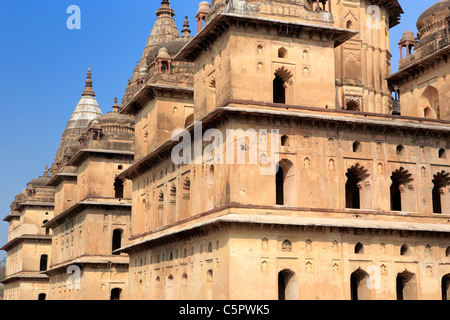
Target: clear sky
<point>43,67</point>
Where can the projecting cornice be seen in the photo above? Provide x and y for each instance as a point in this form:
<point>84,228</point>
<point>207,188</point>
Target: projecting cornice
<point>29,238</point>
<point>95,261</point>
<point>84,154</point>
<point>59,177</point>
<point>222,22</point>
<point>151,91</point>
<point>99,203</point>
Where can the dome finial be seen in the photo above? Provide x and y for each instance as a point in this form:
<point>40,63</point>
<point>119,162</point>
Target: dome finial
<point>88,91</point>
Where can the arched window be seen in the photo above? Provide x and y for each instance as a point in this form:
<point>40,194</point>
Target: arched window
<point>285,184</point>
<point>442,153</point>
<point>447,252</point>
<point>284,141</point>
<point>42,296</point>
<point>279,90</point>
<point>118,188</point>
<point>358,285</point>
<point>287,285</point>
<point>47,230</point>
<point>115,293</point>
<point>356,174</point>
<point>282,53</point>
<point>349,24</point>
<point>400,150</point>
<point>117,240</point>
<point>404,250</point>
<point>359,248</point>
<point>440,180</point>
<point>356,146</point>
<point>281,84</point>
<point>352,105</point>
<point>43,263</point>
<point>209,285</point>
<point>399,178</point>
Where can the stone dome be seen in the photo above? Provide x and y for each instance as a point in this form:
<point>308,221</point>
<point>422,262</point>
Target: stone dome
<point>114,119</point>
<point>432,21</point>
<point>114,126</point>
<point>39,182</point>
<point>408,36</point>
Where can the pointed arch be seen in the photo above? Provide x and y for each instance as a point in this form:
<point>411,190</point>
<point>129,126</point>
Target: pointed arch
<point>285,184</point>
<point>446,287</point>
<point>355,175</point>
<point>441,180</point>
<point>430,102</point>
<point>400,178</point>
<point>407,286</point>
<point>358,285</point>
<point>280,84</point>
<point>287,285</point>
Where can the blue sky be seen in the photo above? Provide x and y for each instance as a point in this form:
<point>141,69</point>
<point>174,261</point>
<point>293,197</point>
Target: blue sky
<point>43,67</point>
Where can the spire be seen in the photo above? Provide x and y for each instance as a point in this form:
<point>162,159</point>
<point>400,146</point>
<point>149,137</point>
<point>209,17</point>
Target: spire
<point>164,30</point>
<point>88,91</point>
<point>86,110</point>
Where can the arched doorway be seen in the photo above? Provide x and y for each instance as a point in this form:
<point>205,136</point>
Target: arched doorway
<point>407,286</point>
<point>287,285</point>
<point>358,284</point>
<point>115,293</point>
<point>446,287</point>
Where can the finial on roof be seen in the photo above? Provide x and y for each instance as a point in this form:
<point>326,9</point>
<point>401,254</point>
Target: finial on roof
<point>116,107</point>
<point>88,91</point>
<point>46,171</point>
<point>186,31</point>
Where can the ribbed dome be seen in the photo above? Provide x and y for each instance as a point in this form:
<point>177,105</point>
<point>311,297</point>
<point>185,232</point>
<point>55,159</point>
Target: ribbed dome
<point>86,110</point>
<point>435,13</point>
